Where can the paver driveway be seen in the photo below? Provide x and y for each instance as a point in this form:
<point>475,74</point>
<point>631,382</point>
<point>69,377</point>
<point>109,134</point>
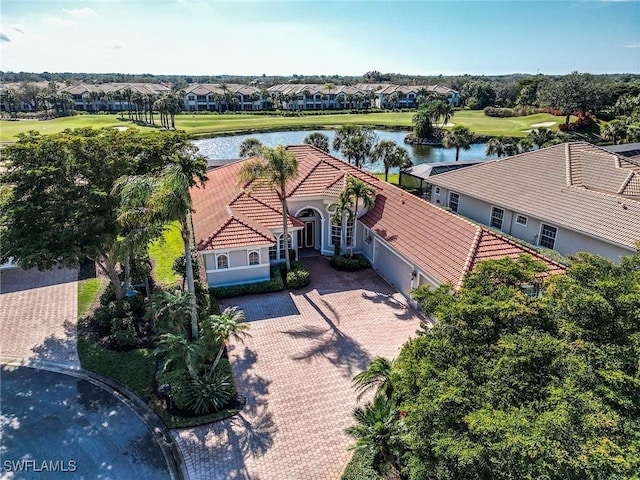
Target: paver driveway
<point>38,315</point>
<point>296,372</point>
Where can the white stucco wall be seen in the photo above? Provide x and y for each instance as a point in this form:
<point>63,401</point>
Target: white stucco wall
<point>239,270</point>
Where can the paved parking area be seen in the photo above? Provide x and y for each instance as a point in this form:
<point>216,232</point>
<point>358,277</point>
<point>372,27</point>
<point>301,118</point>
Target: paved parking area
<point>296,371</point>
<point>38,315</point>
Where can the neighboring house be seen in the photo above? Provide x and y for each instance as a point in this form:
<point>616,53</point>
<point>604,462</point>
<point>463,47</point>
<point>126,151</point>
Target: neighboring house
<point>213,97</point>
<point>572,197</point>
<point>417,177</point>
<point>238,229</point>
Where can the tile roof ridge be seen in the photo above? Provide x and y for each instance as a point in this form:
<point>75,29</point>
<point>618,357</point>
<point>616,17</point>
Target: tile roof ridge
<point>471,256</point>
<point>626,182</point>
<point>302,179</point>
<point>255,226</point>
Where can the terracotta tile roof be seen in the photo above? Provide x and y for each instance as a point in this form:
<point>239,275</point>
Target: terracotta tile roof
<point>235,233</point>
<point>441,244</point>
<point>549,184</point>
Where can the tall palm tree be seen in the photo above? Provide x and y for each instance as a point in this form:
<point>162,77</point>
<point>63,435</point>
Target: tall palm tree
<point>377,432</point>
<point>422,124</point>
<point>356,190</point>
<point>392,155</point>
<point>219,329</point>
<point>318,140</point>
<point>378,377</point>
<point>541,137</point>
<point>165,197</point>
<point>328,87</point>
<point>458,137</point>
<point>614,131</point>
<point>278,167</point>
<point>250,147</point>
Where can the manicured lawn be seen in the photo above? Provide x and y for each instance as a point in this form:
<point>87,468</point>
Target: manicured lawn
<point>88,291</point>
<point>214,124</point>
<point>393,177</point>
<point>163,253</point>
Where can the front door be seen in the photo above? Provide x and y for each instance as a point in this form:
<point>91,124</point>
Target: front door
<point>309,234</point>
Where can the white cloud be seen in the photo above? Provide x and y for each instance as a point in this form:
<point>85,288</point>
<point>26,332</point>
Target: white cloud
<point>633,45</point>
<point>57,22</point>
<point>85,12</point>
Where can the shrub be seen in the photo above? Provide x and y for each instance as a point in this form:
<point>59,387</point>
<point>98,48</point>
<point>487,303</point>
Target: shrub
<point>499,112</point>
<point>299,276</point>
<point>582,121</point>
<point>343,262</point>
<point>274,285</point>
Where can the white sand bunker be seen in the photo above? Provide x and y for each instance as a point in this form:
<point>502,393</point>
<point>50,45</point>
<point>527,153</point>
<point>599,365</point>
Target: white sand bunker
<point>543,124</point>
<point>449,124</point>
<point>122,129</point>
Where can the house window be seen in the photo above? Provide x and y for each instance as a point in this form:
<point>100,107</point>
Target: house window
<point>222,261</point>
<point>454,200</point>
<point>367,236</point>
<point>282,249</point>
<point>437,190</point>
<point>192,98</point>
<point>254,258</point>
<point>348,241</point>
<point>336,233</point>
<point>273,252</point>
<point>497,216</point>
<point>548,236</point>
<point>521,220</point>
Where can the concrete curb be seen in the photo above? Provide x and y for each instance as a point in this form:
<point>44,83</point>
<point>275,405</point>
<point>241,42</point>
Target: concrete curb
<point>171,451</point>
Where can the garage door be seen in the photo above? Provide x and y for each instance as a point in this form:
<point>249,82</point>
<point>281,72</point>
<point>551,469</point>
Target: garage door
<point>394,270</point>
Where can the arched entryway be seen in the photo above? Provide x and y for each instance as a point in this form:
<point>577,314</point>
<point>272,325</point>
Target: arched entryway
<point>310,237</point>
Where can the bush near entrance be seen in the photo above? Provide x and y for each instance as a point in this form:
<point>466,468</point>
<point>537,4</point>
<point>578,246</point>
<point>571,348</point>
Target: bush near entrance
<point>349,264</point>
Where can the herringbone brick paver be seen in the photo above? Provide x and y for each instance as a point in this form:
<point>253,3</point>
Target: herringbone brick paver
<point>38,315</point>
<point>296,372</point>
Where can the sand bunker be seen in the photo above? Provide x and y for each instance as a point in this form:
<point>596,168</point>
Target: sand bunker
<point>543,124</point>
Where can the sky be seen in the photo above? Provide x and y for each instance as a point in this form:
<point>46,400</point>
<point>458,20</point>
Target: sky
<point>344,37</point>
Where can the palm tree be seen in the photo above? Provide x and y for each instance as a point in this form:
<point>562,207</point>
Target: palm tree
<point>614,131</point>
<point>441,109</point>
<point>541,137</point>
<point>377,432</point>
<point>378,377</point>
<point>163,198</point>
<point>328,87</point>
<point>500,146</point>
<point>250,147</point>
<point>392,155</point>
<point>279,166</point>
<point>219,329</point>
<point>355,143</point>
<point>458,137</point>
<point>422,125</point>
<point>169,309</point>
<point>524,145</point>
<point>179,353</point>
<point>356,190</point>
<point>318,140</point>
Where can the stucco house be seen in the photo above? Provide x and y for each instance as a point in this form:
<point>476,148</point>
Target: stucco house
<point>410,242</point>
<point>572,197</point>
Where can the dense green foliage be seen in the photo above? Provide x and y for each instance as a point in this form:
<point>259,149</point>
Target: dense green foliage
<point>511,386</point>
<point>349,264</point>
<point>299,276</point>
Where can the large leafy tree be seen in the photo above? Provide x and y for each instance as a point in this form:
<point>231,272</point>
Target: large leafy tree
<point>577,91</point>
<point>458,137</point>
<point>392,155</point>
<point>61,209</point>
<point>274,170</point>
<point>509,385</point>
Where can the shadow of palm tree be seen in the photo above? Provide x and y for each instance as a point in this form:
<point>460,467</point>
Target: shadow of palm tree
<point>248,434</point>
<point>402,310</point>
<point>332,343</point>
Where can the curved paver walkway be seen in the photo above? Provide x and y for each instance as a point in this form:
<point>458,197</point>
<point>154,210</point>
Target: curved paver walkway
<point>296,372</point>
<point>38,315</point>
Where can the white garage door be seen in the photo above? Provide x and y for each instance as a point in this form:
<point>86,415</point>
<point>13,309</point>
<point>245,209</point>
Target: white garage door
<point>394,270</point>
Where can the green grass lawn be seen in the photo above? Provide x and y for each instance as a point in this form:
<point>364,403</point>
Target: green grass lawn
<point>393,177</point>
<point>163,253</point>
<point>88,291</point>
<point>214,124</point>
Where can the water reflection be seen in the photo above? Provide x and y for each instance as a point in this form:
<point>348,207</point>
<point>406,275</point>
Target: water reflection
<point>226,148</point>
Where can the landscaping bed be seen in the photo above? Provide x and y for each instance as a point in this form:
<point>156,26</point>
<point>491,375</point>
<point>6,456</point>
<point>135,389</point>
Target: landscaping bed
<point>349,264</point>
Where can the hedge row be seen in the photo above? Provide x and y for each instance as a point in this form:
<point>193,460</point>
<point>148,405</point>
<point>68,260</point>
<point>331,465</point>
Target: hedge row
<point>349,264</point>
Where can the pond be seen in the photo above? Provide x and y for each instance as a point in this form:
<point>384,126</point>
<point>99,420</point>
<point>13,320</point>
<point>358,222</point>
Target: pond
<point>226,148</point>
